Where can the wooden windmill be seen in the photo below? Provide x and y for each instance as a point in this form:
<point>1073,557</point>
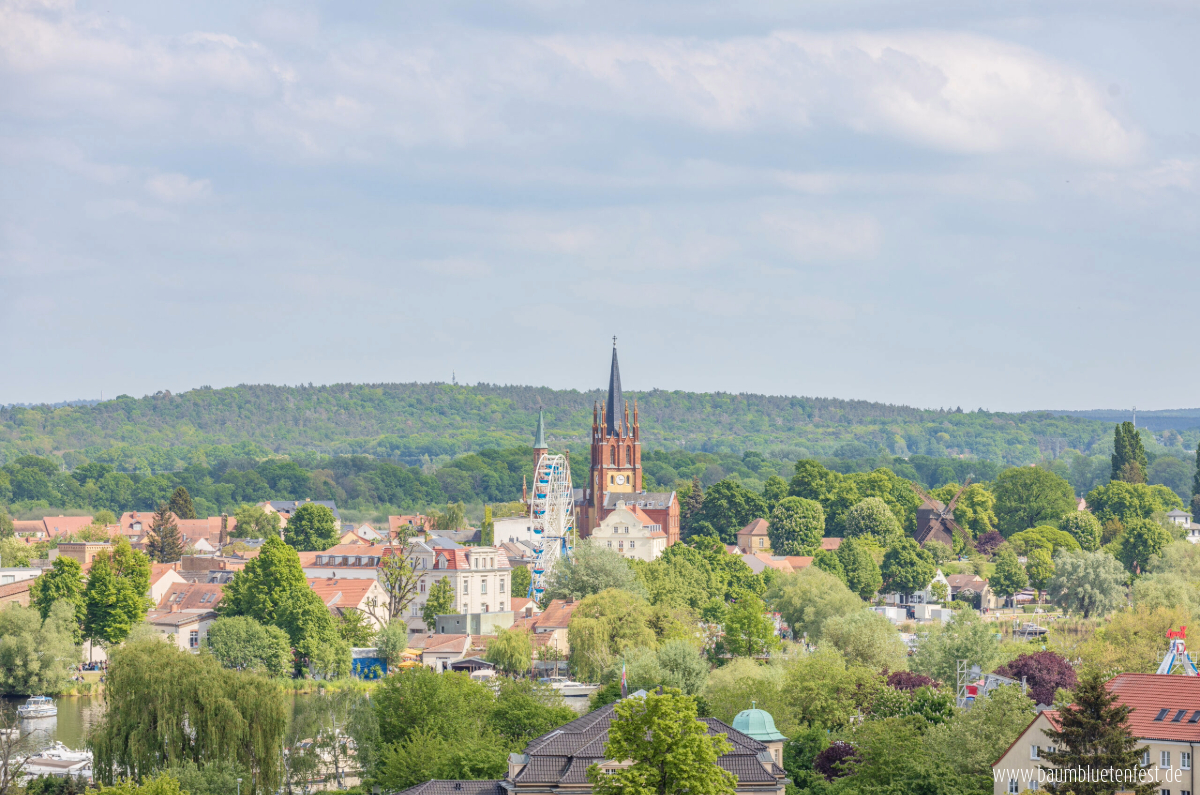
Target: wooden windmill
<point>935,521</point>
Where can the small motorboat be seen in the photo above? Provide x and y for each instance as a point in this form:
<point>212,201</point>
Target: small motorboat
<point>38,707</point>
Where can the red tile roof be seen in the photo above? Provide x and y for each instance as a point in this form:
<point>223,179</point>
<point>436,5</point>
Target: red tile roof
<point>798,562</point>
<point>340,592</point>
<point>158,570</point>
<point>831,544</point>
<point>758,527</point>
<point>1149,694</point>
<point>61,526</point>
<point>192,596</point>
<point>557,614</point>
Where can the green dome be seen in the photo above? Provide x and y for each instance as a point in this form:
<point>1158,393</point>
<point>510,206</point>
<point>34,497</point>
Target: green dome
<point>759,724</point>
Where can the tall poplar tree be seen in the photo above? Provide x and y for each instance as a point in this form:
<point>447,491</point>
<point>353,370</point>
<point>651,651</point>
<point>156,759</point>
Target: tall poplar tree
<point>164,543</point>
<point>695,501</point>
<point>181,504</point>
<point>1129,462</point>
<point>1196,484</point>
<point>1094,736</point>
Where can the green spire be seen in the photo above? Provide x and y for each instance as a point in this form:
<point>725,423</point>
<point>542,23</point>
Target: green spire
<point>539,443</point>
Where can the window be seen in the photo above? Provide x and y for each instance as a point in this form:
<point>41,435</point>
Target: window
<point>422,586</point>
<point>417,610</point>
<point>501,585</point>
<point>1146,758</point>
<point>1034,752</point>
<point>1164,792</point>
<point>1033,784</point>
<point>610,544</point>
<point>612,459</point>
<point>1164,759</point>
<point>194,638</point>
<point>1013,789</point>
<point>621,544</point>
<point>628,456</point>
<point>631,543</point>
<point>611,479</point>
<point>483,587</point>
<point>760,542</point>
<point>1185,760</point>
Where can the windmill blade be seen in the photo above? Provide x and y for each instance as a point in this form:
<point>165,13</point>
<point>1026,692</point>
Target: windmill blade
<point>921,493</point>
<point>954,501</point>
<point>968,543</point>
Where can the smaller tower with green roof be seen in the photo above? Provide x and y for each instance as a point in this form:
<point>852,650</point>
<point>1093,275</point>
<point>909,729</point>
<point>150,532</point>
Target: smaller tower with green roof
<point>759,725</point>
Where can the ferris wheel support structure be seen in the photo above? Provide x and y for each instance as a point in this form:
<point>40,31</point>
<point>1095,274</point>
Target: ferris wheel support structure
<point>552,516</point>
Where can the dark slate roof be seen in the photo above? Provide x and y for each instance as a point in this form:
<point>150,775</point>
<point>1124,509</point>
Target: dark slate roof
<point>616,403</point>
<point>469,536</point>
<point>439,787</point>
<point>655,501</point>
<point>562,756</point>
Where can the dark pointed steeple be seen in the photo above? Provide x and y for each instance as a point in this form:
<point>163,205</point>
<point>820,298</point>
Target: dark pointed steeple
<point>613,406</point>
<point>539,441</point>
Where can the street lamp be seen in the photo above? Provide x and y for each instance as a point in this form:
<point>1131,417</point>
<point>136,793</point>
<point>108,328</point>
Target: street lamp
<point>239,792</point>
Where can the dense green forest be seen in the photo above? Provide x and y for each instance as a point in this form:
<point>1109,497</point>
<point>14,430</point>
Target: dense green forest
<point>416,423</point>
<point>414,446</point>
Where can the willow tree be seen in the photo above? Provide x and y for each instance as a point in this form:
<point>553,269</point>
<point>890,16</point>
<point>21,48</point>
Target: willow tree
<point>165,706</point>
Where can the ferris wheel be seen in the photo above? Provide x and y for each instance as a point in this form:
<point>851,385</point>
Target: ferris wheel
<point>551,512</point>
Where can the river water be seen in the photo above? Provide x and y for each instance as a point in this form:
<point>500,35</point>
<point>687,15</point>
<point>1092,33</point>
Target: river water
<point>76,714</point>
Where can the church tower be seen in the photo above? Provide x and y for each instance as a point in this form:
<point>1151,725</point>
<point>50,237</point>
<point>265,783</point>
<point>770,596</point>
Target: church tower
<point>539,442</point>
<point>616,443</point>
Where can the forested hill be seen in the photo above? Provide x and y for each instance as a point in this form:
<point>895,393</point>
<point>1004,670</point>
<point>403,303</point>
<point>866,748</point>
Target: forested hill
<point>409,422</point>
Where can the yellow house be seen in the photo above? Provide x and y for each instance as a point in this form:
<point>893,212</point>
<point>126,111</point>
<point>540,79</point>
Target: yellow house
<point>1164,716</point>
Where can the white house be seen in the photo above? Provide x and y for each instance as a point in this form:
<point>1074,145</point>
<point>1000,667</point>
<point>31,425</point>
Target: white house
<point>513,529</point>
<point>924,597</point>
<point>632,533</point>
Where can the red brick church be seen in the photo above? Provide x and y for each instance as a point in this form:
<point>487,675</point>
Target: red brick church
<point>616,466</point>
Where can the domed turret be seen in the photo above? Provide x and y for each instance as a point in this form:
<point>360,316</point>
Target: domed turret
<point>759,725</point>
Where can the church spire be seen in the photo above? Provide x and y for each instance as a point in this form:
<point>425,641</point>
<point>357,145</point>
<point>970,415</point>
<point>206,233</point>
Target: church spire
<point>614,395</point>
<point>539,441</point>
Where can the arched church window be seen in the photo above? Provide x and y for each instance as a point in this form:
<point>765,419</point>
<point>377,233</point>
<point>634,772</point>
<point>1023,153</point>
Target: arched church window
<point>612,456</point>
<point>628,456</point>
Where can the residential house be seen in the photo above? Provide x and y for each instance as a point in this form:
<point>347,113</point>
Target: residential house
<point>439,651</point>
<point>470,535</point>
<point>480,577</point>
<point>974,582</point>
<point>191,597</point>
<point>519,553</point>
<point>1164,717</point>
<point>285,508</point>
<point>187,630</point>
<point>369,534</point>
<point>18,574</point>
<point>163,576</point>
<point>364,595</point>
<point>753,538</point>
<point>514,529</point>
<point>1184,519</point>
<point>548,629</point>
<point>558,761</point>
<point>924,597</point>
<point>345,561</point>
<point>631,532</point>
<point>352,538</point>
<point>65,526</point>
<point>410,525</point>
<point>16,592</point>
<point>208,534</point>
<point>82,551</point>
<point>760,561</point>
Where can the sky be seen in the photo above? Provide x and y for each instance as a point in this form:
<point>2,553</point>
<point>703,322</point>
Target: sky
<point>937,202</point>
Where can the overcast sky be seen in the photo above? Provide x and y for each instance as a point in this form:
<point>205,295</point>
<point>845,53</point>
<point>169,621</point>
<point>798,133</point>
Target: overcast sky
<point>940,203</point>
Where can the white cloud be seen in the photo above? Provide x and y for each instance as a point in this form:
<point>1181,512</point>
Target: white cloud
<point>811,237</point>
<point>177,188</point>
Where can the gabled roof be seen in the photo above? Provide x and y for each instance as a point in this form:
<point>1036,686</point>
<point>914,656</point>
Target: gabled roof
<point>159,570</point>
<point>1150,694</point>
<point>442,787</point>
<point>557,614</point>
<point>965,581</point>
<point>192,596</point>
<point>758,527</point>
<point>338,593</point>
<point>831,544</point>
<point>61,526</point>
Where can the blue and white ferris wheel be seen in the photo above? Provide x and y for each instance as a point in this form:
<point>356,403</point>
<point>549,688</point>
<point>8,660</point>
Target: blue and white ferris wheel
<point>552,512</point>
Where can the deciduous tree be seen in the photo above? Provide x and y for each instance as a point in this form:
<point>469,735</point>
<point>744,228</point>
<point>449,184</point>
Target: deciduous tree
<point>1040,568</point>
<point>1089,583</point>
<point>1028,497</point>
<point>440,602</point>
<point>35,653</point>
<point>728,507</point>
<point>866,638</point>
<point>965,637</point>
<point>521,580</point>
<point>64,581</point>
<point>809,598</point>
<point>252,521</point>
<point>796,526</point>
<point>749,632</point>
<point>312,527</point>
<point>874,519</point>
<point>244,644</point>
<point>1083,527</point>
<point>1044,673</point>
<point>115,598</point>
<point>671,751</point>
<point>1142,539</point>
<point>511,650</point>
<point>907,568</point>
<point>1009,577</point>
<point>862,572</point>
<point>590,570</point>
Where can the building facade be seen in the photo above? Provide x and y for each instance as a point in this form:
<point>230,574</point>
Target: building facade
<point>630,532</point>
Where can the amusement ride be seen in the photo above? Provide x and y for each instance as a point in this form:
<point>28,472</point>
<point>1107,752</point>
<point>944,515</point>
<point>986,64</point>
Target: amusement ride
<point>552,514</point>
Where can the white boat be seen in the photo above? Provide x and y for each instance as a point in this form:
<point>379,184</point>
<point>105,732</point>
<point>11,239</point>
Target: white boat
<point>38,707</point>
<point>58,760</point>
